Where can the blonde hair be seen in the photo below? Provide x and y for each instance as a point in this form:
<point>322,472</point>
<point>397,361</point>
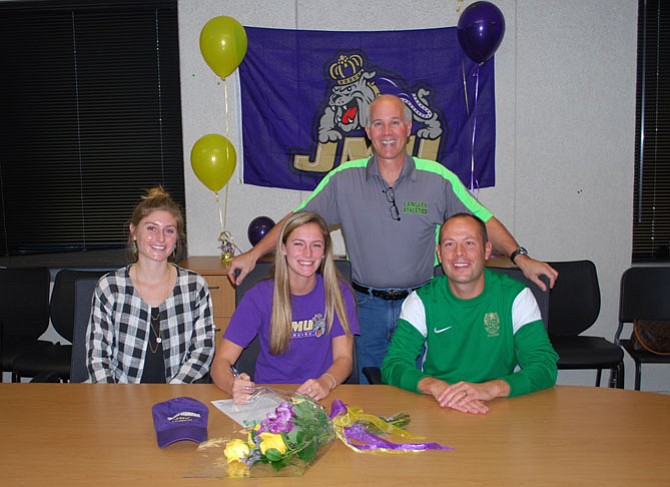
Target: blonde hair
<point>280,329</point>
<point>158,199</point>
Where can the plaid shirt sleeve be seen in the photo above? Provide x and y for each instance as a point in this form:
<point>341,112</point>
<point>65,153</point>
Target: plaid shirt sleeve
<point>105,333</point>
<point>190,329</point>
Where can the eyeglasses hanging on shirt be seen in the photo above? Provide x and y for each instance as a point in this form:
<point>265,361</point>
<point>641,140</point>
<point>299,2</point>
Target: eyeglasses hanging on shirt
<point>390,197</point>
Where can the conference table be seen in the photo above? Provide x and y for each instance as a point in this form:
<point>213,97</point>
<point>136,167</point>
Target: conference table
<point>103,434</point>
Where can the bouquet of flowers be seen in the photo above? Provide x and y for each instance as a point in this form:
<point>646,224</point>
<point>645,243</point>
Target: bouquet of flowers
<point>296,432</point>
<point>285,443</point>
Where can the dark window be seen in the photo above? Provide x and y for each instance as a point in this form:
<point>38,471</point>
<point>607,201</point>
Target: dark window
<point>90,118</point>
<point>651,225</point>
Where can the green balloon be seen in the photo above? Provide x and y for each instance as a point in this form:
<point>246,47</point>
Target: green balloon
<point>213,160</point>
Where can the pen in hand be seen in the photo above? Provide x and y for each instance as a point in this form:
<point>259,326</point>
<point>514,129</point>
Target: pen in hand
<point>236,373</point>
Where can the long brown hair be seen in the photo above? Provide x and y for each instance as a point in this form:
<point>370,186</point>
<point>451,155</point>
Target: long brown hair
<point>280,329</point>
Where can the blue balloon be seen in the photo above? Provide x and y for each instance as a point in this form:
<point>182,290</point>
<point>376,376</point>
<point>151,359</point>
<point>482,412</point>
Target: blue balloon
<point>481,28</point>
<point>259,228</point>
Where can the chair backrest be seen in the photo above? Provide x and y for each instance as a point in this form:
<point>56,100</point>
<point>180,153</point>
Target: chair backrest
<point>247,359</point>
<point>542,297</point>
<point>574,301</point>
<point>62,304</point>
<point>83,295</point>
<point>645,294</point>
<point>24,301</point>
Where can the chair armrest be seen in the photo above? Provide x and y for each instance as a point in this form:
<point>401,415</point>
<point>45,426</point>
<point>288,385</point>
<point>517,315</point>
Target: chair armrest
<point>619,330</point>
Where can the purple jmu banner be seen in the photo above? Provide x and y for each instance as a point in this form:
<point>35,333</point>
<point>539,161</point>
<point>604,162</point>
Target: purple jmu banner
<point>305,96</point>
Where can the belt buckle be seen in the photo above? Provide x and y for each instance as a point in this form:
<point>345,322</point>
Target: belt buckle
<point>392,295</point>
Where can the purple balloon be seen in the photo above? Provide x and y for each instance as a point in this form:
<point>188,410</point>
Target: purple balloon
<point>480,31</point>
<point>259,228</point>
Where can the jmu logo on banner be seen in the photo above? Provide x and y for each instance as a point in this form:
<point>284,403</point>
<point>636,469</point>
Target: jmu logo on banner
<point>305,102</point>
<point>354,87</point>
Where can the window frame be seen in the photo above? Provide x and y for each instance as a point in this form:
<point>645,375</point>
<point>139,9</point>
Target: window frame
<point>651,210</point>
<point>72,184</point>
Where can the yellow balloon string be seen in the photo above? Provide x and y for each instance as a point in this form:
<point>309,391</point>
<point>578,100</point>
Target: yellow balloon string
<point>227,244</point>
<point>225,210</point>
<point>220,214</point>
<point>225,98</point>
<point>223,215</point>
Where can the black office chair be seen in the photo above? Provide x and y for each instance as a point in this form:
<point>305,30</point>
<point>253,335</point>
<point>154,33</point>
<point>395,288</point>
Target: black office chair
<point>542,297</point>
<point>24,311</point>
<point>55,359</point>
<point>247,359</point>
<point>83,295</point>
<point>373,374</point>
<point>574,306</point>
<point>645,294</point>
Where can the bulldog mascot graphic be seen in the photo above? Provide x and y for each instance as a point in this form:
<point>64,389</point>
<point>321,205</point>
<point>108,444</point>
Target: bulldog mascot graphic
<point>354,89</point>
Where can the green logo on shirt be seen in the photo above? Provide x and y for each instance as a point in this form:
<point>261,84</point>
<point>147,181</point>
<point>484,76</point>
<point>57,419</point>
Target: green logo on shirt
<point>492,324</point>
<point>417,207</point>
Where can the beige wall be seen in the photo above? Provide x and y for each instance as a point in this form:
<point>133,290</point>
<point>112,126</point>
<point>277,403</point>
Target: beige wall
<point>565,94</point>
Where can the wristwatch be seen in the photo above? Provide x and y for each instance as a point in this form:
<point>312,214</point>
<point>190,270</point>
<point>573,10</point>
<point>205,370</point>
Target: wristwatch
<point>517,252</point>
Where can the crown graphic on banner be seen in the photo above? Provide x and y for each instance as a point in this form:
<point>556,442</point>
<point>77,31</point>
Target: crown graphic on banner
<point>347,69</point>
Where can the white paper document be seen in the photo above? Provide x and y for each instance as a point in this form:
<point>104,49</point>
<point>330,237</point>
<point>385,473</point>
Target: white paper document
<point>257,409</point>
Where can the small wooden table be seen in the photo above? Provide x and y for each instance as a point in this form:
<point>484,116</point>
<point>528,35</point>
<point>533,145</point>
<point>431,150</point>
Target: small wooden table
<point>103,434</point>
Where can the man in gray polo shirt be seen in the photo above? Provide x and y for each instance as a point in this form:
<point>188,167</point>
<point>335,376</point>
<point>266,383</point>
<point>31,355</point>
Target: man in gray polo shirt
<point>389,208</point>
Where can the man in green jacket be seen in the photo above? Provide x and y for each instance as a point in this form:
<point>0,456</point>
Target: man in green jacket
<point>482,331</point>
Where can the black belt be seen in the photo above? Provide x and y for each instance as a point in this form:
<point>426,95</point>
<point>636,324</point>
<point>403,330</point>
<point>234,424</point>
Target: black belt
<point>395,295</point>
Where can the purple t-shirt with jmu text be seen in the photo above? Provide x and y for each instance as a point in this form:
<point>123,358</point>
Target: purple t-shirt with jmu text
<point>310,352</point>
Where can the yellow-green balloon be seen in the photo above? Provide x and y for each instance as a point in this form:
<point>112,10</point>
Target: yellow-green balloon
<point>223,44</point>
<point>213,160</point>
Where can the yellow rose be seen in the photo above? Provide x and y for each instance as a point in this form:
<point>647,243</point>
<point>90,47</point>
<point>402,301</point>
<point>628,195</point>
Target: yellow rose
<point>236,450</point>
<point>272,440</point>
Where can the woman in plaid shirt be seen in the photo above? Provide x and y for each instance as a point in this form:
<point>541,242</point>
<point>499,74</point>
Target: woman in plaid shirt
<point>151,321</point>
